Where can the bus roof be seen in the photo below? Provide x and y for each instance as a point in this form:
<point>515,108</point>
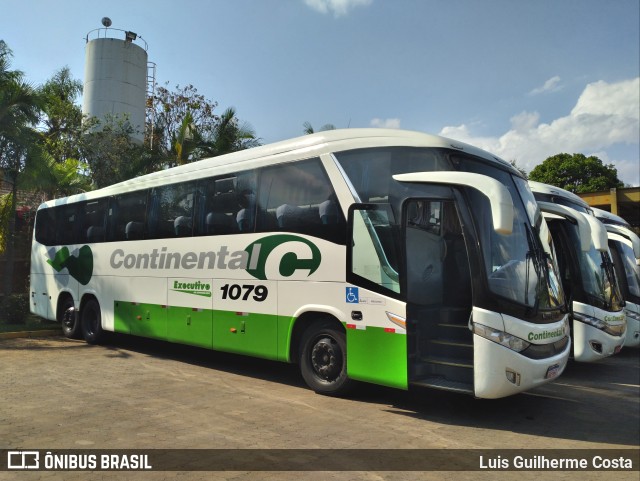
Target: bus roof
<point>553,190</point>
<point>609,218</point>
<point>283,151</point>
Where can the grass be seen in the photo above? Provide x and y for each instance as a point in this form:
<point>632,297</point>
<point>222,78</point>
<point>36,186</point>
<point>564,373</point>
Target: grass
<point>32,323</point>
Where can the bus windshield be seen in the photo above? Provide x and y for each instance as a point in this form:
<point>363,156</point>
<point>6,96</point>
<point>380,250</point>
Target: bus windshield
<point>518,267</point>
<point>596,273</point>
<point>631,268</point>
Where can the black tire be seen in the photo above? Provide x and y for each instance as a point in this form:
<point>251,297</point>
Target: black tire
<point>68,317</point>
<point>323,359</point>
<point>91,320</point>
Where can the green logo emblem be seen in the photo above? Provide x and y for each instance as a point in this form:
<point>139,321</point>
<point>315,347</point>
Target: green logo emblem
<point>304,256</point>
<point>80,267</point>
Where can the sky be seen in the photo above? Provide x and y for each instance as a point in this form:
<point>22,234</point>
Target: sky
<point>522,79</point>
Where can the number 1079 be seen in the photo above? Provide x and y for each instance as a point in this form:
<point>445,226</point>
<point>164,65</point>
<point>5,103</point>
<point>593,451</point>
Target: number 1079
<point>236,291</point>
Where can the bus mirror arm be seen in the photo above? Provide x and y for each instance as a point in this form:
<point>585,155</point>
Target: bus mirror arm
<point>628,234</point>
<point>598,233</point>
<point>498,195</point>
<point>584,227</point>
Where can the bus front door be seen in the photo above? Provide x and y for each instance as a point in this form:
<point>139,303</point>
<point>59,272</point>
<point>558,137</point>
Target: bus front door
<point>439,302</point>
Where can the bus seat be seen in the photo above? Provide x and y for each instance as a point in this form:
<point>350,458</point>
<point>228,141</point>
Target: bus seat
<point>182,226</point>
<point>95,234</point>
<point>328,212</point>
<point>134,230</point>
<point>244,218</point>
<point>219,223</point>
<point>288,216</point>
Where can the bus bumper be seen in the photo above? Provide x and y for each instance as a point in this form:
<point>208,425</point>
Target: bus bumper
<point>500,372</point>
<point>632,313</point>
<point>591,344</point>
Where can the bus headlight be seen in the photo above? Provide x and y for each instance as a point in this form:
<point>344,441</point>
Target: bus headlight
<point>632,315</point>
<point>507,340</point>
<point>592,321</point>
<point>614,330</point>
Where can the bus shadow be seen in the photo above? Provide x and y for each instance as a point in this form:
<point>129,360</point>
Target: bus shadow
<point>264,369</point>
<point>595,403</point>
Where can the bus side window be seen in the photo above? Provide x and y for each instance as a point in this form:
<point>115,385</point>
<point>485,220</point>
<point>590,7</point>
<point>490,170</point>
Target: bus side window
<point>67,224</point>
<point>127,216</point>
<point>300,198</point>
<point>93,221</point>
<point>45,226</point>
<point>219,204</point>
<point>171,211</point>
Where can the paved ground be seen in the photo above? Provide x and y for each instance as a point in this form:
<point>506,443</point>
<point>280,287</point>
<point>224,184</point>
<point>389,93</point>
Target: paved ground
<point>136,394</point>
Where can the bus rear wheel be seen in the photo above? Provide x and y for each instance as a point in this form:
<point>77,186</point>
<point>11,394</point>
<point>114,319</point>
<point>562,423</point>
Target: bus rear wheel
<point>68,317</point>
<point>323,359</point>
<point>91,321</point>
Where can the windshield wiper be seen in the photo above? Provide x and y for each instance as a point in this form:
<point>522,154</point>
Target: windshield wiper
<point>607,267</point>
<point>533,255</point>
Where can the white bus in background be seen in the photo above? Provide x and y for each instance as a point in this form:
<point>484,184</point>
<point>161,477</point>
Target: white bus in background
<point>588,278</point>
<point>386,256</point>
<point>624,245</point>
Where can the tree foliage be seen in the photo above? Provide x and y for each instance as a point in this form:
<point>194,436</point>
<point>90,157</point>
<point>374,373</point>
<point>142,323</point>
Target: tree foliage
<point>185,127</point>
<point>229,135</point>
<point>308,129</point>
<point>112,155</point>
<point>62,118</point>
<point>19,113</point>
<point>576,173</point>
<point>173,117</point>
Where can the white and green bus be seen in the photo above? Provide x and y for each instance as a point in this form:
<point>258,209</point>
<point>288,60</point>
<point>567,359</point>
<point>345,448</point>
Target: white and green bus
<point>624,245</point>
<point>386,256</point>
<point>597,309</point>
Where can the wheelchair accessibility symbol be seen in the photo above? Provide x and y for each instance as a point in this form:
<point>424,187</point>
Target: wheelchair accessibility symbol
<point>352,295</point>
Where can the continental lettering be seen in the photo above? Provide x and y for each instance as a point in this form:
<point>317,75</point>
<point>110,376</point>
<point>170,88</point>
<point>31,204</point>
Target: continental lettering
<point>161,259</point>
<point>540,336</point>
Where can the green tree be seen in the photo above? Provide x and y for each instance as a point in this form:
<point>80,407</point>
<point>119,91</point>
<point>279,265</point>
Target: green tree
<point>112,155</point>
<point>176,118</point>
<point>307,128</point>
<point>50,178</point>
<point>19,113</point>
<point>229,135</point>
<point>62,119</point>
<point>576,173</point>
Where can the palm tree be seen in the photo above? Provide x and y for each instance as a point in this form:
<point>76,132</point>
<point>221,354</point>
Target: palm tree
<point>50,178</point>
<point>230,136</point>
<point>19,113</point>
<point>308,128</point>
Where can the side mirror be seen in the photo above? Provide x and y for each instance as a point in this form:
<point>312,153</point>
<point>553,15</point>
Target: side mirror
<point>598,233</point>
<point>498,195</point>
<point>584,227</point>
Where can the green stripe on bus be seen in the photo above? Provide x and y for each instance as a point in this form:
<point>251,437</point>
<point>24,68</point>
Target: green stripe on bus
<point>239,332</point>
<point>377,356</point>
<point>373,354</point>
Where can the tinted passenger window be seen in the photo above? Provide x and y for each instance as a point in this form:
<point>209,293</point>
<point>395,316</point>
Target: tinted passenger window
<point>298,197</point>
<point>93,221</point>
<point>67,224</point>
<point>226,205</point>
<point>127,216</point>
<point>171,211</point>
<point>45,226</point>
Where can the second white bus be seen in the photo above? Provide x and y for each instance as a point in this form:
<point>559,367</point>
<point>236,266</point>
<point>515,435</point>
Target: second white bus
<point>598,319</point>
<point>624,245</point>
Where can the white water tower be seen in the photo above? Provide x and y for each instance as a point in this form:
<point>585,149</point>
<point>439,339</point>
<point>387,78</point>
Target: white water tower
<point>115,76</point>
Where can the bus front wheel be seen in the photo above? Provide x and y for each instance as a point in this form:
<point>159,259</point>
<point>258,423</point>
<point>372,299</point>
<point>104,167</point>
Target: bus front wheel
<point>91,320</point>
<point>323,359</point>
